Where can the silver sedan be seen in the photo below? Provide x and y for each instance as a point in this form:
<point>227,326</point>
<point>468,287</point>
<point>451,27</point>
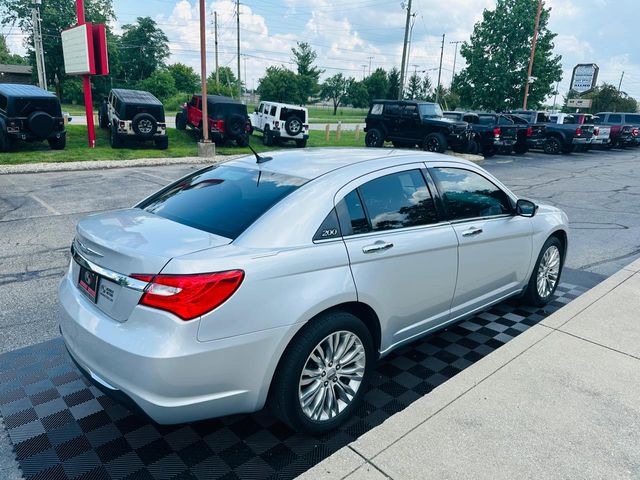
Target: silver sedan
<point>280,281</point>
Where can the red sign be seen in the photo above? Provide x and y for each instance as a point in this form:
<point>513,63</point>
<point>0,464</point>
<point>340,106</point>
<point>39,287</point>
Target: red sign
<point>100,53</point>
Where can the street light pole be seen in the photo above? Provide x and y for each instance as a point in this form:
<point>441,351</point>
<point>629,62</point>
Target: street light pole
<point>533,52</point>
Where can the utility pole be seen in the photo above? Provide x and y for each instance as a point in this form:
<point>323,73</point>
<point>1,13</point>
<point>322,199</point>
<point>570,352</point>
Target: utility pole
<point>533,52</point>
<point>620,83</point>
<point>555,95</point>
<point>404,50</point>
<point>203,73</point>
<point>370,58</point>
<point>455,57</point>
<point>37,44</point>
<point>245,72</point>
<point>215,30</point>
<point>364,70</point>
<point>440,70</point>
<point>413,22</point>
<point>238,30</point>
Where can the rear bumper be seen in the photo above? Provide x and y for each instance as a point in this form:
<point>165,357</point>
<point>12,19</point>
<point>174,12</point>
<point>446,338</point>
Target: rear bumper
<point>28,136</point>
<point>155,361</point>
<point>580,141</point>
<point>509,142</point>
<point>536,142</point>
<point>286,136</point>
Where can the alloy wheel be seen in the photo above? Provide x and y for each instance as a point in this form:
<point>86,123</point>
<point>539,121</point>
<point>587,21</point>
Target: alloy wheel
<point>295,126</point>
<point>433,145</point>
<point>548,272</point>
<point>332,376</point>
<point>145,126</point>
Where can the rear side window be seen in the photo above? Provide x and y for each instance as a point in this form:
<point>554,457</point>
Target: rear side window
<point>635,119</point>
<point>467,194</point>
<point>392,109</point>
<point>351,210</point>
<point>376,109</point>
<point>615,119</point>
<point>223,200</point>
<point>273,111</point>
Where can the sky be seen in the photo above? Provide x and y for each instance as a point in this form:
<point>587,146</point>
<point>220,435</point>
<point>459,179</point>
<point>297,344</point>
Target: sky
<point>351,36</point>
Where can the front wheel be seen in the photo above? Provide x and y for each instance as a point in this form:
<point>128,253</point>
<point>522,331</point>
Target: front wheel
<point>374,138</point>
<point>435,142</point>
<point>546,274</point>
<point>474,147</point>
<point>322,376</point>
<point>57,143</point>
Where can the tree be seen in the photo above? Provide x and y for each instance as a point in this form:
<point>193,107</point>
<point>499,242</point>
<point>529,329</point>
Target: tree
<point>7,57</point>
<point>56,16</point>
<point>497,58</point>
<point>357,95</point>
<point>427,88</point>
<point>143,49</point>
<point>304,56</point>
<point>185,77</point>
<point>377,84</point>
<point>334,89</point>
<point>161,83</point>
<point>414,88</point>
<point>228,83</point>
<point>394,84</point>
<point>280,85</point>
<point>604,98</point>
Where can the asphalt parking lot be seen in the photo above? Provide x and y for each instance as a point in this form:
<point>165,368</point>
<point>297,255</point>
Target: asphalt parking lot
<point>600,191</point>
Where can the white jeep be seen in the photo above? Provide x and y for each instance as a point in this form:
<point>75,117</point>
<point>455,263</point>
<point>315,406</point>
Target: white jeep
<point>279,121</point>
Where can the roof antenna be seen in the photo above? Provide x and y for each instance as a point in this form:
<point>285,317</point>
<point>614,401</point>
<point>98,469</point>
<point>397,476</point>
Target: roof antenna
<point>259,159</point>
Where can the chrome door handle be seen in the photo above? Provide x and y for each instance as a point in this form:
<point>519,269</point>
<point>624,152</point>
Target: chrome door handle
<point>472,232</point>
<point>377,247</point>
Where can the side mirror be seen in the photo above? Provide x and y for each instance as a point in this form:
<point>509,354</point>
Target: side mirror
<point>526,208</point>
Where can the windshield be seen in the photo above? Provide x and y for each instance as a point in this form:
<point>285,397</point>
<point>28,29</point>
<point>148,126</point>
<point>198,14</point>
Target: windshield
<point>430,110</point>
<point>222,200</point>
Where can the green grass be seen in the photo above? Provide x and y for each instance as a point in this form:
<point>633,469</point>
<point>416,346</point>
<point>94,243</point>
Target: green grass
<point>181,144</point>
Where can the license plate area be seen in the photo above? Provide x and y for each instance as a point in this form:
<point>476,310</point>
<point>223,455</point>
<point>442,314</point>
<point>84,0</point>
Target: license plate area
<point>88,283</point>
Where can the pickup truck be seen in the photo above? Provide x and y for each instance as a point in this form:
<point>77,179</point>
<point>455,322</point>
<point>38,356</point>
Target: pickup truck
<point>530,135</point>
<point>625,128</point>
<point>601,133</point>
<point>559,137</point>
<point>491,133</point>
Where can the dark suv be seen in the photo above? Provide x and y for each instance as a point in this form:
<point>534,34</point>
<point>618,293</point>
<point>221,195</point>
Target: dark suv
<point>32,114</point>
<point>408,123</point>
<point>135,115</point>
<point>228,119</point>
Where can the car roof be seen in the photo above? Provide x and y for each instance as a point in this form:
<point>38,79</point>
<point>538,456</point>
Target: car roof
<point>219,99</point>
<point>18,90</point>
<point>286,105</point>
<point>382,100</point>
<point>136,96</point>
<point>313,163</point>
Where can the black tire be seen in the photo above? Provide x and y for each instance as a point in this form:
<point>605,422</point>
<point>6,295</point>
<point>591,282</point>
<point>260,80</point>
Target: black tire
<point>284,395</point>
<point>41,124</point>
<point>553,146</point>
<point>474,147</point>
<point>234,125</point>
<point>114,139</point>
<point>519,149</point>
<point>267,137</point>
<point>181,121</point>
<point>56,143</point>
<point>435,142</point>
<point>243,140</point>
<point>532,295</point>
<point>103,116</point>
<point>162,143</point>
<point>374,138</point>
<point>293,125</point>
<point>5,141</point>
<point>489,151</point>
<point>301,143</point>
<point>144,125</point>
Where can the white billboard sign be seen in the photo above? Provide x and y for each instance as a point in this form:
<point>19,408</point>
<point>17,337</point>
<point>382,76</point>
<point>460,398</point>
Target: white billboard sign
<point>77,47</point>
<point>585,76</point>
<point>579,103</point>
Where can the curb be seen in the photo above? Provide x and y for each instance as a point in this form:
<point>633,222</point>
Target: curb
<point>108,164</point>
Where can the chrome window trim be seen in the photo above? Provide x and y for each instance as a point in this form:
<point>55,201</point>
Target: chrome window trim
<point>115,277</point>
<point>479,219</point>
<point>396,230</point>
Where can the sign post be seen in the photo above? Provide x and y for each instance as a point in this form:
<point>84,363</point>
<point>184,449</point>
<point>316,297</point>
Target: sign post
<point>86,86</point>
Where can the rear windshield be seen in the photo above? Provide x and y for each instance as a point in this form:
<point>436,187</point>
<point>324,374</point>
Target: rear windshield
<point>219,111</point>
<point>23,107</point>
<point>131,110</point>
<point>223,200</point>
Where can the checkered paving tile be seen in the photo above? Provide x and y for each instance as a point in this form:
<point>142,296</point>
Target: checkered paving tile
<point>64,428</point>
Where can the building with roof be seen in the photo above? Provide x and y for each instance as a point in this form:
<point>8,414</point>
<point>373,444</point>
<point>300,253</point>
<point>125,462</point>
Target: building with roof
<point>15,74</point>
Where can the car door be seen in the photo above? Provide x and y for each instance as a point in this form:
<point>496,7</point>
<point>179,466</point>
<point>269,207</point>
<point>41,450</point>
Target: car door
<point>391,119</point>
<point>403,256</point>
<point>259,117</point>
<point>495,245</point>
<point>410,126</point>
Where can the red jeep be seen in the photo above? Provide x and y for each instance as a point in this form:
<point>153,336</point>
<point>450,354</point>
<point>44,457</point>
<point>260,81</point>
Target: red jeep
<point>228,119</point>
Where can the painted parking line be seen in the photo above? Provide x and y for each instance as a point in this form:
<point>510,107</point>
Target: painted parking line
<point>45,204</point>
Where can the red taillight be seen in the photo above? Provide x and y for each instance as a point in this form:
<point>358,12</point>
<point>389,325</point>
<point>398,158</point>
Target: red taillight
<point>635,132</point>
<point>529,132</point>
<point>306,127</point>
<point>596,131</point>
<point>578,132</point>
<point>189,296</point>
<point>496,132</point>
<point>276,124</point>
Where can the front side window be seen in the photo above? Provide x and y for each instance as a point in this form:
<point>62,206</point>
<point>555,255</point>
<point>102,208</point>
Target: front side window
<point>222,200</point>
<point>410,110</point>
<point>261,109</point>
<point>398,200</point>
<point>467,194</point>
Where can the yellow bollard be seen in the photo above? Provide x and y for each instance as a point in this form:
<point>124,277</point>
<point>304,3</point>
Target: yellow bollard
<point>357,132</point>
<point>339,131</point>
<point>326,132</point>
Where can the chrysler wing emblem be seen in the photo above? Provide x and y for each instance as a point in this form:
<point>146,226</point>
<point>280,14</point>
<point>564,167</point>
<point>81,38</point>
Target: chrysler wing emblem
<point>88,250</point>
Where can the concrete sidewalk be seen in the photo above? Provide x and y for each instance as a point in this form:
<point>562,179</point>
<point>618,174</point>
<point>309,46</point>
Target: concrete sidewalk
<point>562,400</point>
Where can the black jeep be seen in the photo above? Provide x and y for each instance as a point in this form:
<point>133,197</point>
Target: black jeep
<point>407,123</point>
<point>32,114</point>
<point>133,114</point>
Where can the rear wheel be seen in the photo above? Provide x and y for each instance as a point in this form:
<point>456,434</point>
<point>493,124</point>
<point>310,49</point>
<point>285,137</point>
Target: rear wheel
<point>553,146</point>
<point>435,142</point>
<point>546,274</point>
<point>322,376</point>
<point>114,139</point>
<point>103,116</point>
<point>301,143</point>
<point>57,143</point>
<point>374,138</point>
<point>5,141</point>
<point>243,140</point>
<point>267,137</point>
<point>181,121</point>
<point>520,149</point>
<point>162,143</point>
<point>489,151</point>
